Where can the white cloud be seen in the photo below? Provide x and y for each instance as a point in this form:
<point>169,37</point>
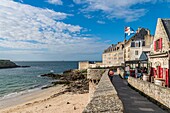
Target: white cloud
<point>21,1</point>
<point>56,2</point>
<point>101,22</point>
<point>28,28</point>
<point>119,9</point>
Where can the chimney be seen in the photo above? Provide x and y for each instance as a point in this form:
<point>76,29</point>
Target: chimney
<point>148,31</point>
<point>139,28</point>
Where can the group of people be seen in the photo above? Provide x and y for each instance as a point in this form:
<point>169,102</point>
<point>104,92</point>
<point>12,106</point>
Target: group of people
<point>111,74</point>
<point>139,71</point>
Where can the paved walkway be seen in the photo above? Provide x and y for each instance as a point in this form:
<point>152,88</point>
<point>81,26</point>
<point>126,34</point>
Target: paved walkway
<point>133,102</point>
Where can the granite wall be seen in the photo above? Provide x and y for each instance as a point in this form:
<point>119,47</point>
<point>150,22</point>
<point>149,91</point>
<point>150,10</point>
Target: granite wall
<point>94,76</point>
<point>83,65</point>
<point>105,98</point>
<point>159,93</point>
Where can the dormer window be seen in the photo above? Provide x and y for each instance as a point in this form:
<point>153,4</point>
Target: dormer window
<point>137,44</point>
<point>132,44</point>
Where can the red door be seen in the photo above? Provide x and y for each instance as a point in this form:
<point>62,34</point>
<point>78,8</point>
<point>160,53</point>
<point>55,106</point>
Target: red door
<point>161,73</point>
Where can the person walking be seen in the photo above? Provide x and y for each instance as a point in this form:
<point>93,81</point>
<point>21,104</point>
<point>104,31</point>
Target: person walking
<point>110,74</point>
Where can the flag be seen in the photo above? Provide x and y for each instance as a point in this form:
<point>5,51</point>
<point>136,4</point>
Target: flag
<point>129,31</point>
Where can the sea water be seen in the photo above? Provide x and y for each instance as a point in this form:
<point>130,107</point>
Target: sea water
<point>16,81</point>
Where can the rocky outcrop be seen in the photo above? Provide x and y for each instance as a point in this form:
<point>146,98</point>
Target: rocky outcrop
<point>9,64</point>
<point>52,75</point>
<point>75,80</point>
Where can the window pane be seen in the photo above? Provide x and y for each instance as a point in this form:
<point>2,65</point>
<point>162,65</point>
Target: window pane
<point>132,44</point>
<point>136,52</point>
<point>137,44</point>
<point>143,43</point>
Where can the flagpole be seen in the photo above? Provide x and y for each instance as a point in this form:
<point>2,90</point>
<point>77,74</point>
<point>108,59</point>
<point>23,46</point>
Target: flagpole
<point>124,47</point>
<point>125,34</point>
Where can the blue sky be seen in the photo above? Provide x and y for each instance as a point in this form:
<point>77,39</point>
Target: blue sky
<point>71,29</point>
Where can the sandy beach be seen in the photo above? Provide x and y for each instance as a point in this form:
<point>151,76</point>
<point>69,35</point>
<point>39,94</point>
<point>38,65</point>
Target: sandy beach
<point>51,100</point>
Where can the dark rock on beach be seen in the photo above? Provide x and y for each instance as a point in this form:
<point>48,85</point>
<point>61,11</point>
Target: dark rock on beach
<point>52,75</point>
<point>60,82</point>
<point>75,80</point>
<point>67,71</point>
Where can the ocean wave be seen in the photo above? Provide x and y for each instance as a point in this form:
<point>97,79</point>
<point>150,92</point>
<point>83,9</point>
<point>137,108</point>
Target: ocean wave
<point>35,86</point>
<point>39,76</point>
<point>31,89</point>
<point>15,94</point>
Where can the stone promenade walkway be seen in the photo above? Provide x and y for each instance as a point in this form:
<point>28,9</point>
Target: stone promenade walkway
<point>133,102</point>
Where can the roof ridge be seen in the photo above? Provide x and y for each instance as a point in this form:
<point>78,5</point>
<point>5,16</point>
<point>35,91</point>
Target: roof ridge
<point>166,24</point>
<point>165,18</point>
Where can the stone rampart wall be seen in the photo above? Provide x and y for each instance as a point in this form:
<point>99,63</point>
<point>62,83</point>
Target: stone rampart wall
<point>159,93</point>
<point>105,98</point>
<point>83,65</point>
<point>94,76</point>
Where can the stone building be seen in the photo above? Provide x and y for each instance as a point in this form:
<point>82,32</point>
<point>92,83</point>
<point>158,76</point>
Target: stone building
<point>129,50</point>
<point>88,64</point>
<point>137,44</point>
<point>159,55</point>
<point>113,55</point>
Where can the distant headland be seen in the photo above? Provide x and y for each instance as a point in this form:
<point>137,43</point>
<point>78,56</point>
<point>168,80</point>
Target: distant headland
<point>9,64</point>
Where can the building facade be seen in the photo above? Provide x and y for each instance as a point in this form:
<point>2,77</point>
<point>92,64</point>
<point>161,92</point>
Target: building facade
<point>129,50</point>
<point>159,55</point>
<point>140,42</point>
<point>113,55</point>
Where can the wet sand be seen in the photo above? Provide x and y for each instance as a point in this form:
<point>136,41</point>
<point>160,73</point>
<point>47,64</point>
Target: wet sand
<point>50,100</point>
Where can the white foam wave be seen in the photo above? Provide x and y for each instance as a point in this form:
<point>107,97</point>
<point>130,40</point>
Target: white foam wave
<point>15,94</point>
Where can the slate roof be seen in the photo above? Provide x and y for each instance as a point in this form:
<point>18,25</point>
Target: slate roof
<point>138,36</point>
<point>143,56</point>
<point>109,49</point>
<point>166,23</point>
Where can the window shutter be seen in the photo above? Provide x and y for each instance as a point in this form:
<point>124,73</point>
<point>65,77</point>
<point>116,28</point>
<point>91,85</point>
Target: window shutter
<point>160,43</point>
<point>154,45</point>
<point>167,77</point>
